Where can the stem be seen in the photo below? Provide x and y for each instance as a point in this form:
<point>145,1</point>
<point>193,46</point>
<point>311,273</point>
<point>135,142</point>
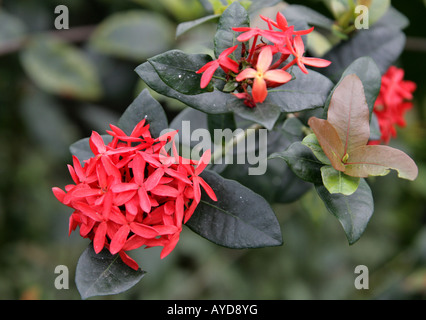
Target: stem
<point>253,47</point>
<point>289,64</point>
<point>222,152</point>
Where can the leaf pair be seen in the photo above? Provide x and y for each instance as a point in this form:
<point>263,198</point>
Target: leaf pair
<point>344,136</point>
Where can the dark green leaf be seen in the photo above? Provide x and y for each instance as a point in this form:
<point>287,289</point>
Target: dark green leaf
<point>234,16</point>
<point>178,70</point>
<point>302,162</point>
<point>352,211</point>
<point>393,19</point>
<point>134,34</point>
<point>59,68</point>
<point>185,26</point>
<point>264,113</point>
<point>239,219</point>
<point>104,274</point>
<point>307,91</point>
<point>220,122</point>
<point>210,102</point>
<point>381,43</point>
<point>144,107</point>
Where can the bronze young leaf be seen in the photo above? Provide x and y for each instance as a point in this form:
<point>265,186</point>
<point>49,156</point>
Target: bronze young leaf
<point>344,136</point>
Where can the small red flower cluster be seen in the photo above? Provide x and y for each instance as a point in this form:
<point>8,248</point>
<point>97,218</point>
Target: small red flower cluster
<point>392,103</point>
<point>257,68</point>
<point>133,193</point>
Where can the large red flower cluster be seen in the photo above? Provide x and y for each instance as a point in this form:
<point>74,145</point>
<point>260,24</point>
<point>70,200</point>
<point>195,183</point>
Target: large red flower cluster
<point>392,103</point>
<point>133,193</point>
<point>263,65</point>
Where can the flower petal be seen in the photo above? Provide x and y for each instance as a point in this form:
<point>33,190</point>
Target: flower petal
<point>119,239</point>
<point>279,76</point>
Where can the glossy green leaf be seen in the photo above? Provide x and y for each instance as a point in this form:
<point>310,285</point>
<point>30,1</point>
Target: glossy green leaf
<point>178,70</point>
<point>59,68</point>
<point>302,162</point>
<point>337,182</point>
<point>239,219</point>
<point>133,34</point>
<point>353,211</point>
<point>104,274</point>
<point>305,91</point>
<point>234,16</point>
<point>264,113</point>
<point>210,102</point>
<point>144,107</point>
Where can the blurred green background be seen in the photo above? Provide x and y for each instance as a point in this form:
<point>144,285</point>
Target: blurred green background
<point>54,92</point>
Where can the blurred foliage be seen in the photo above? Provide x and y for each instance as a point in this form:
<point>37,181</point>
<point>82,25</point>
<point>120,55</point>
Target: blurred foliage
<point>58,85</point>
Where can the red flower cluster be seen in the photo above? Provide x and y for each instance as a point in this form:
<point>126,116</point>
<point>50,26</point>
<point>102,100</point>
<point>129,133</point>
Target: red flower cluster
<point>392,103</point>
<point>256,68</point>
<point>133,193</point>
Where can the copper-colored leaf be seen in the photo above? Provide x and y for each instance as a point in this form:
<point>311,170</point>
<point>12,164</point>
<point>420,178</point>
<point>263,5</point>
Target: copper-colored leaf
<point>349,114</point>
<point>329,140</point>
<point>376,160</point>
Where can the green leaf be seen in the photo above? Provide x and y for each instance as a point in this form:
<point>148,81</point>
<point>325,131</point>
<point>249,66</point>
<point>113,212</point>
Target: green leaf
<point>338,182</point>
<point>210,102</point>
<point>352,211</point>
<point>178,70</point>
<point>302,162</point>
<point>186,26</point>
<point>134,35</point>
<point>234,16</point>
<point>264,113</point>
<point>144,107</point>
<point>383,44</point>
<point>239,219</point>
<point>104,274</point>
<point>61,69</point>
<point>220,122</point>
<point>376,9</point>
<point>306,91</point>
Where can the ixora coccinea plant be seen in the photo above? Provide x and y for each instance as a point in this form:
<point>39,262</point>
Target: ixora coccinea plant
<point>132,188</point>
